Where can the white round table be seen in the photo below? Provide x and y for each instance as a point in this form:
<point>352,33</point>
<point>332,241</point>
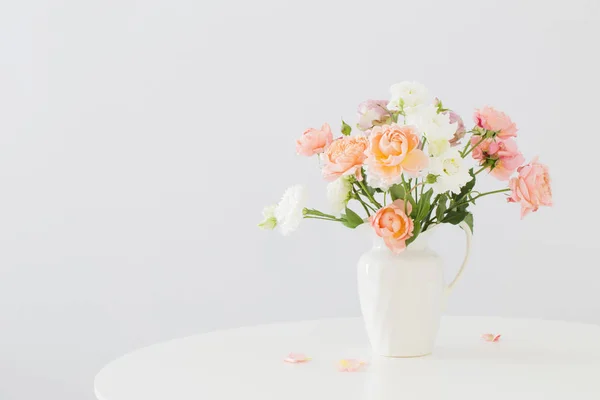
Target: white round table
<point>534,359</point>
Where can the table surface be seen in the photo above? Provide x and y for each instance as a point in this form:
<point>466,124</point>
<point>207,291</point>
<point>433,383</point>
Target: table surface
<point>534,359</point>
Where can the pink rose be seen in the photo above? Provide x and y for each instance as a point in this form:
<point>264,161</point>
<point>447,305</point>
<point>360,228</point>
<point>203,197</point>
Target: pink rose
<point>371,113</point>
<point>314,141</point>
<point>394,225</point>
<point>531,187</point>
<point>392,150</point>
<point>493,120</point>
<point>502,157</point>
<point>345,156</point>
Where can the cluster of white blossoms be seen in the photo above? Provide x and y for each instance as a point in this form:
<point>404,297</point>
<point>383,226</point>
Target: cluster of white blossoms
<point>450,172</point>
<point>446,165</point>
<point>288,213</point>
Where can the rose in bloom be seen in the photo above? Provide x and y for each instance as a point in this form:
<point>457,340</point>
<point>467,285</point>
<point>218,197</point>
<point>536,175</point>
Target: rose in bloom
<point>531,187</point>
<point>493,120</point>
<point>392,150</point>
<point>314,141</point>
<point>344,157</point>
<point>501,156</point>
<point>393,224</point>
<point>371,113</point>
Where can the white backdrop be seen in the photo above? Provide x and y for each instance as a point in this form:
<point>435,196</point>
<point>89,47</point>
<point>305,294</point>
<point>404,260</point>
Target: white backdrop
<point>139,141</point>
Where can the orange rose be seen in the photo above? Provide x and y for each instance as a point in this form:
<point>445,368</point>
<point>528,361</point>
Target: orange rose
<point>345,156</point>
<point>392,150</point>
<point>394,225</point>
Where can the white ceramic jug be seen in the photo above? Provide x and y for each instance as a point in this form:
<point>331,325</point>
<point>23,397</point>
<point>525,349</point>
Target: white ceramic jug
<point>402,296</point>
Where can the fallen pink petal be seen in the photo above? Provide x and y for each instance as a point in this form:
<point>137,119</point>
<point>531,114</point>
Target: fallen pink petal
<point>350,365</point>
<point>296,358</point>
<point>490,337</point>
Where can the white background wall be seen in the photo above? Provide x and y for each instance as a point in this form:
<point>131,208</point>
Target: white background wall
<point>139,141</point>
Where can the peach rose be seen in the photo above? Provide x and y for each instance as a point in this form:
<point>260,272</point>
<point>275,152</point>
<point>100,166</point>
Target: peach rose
<point>394,225</point>
<point>314,141</point>
<point>345,156</point>
<point>531,187</point>
<point>493,120</point>
<point>392,150</point>
<point>502,154</point>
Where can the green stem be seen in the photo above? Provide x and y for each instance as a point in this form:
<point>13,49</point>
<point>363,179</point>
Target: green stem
<point>428,223</point>
<point>357,197</point>
<point>480,170</point>
<point>416,189</point>
<point>361,200</point>
<point>366,192</point>
<point>407,190</point>
<point>323,218</point>
<point>472,148</point>
<point>317,213</point>
<point>478,196</point>
<point>428,220</point>
<point>422,145</point>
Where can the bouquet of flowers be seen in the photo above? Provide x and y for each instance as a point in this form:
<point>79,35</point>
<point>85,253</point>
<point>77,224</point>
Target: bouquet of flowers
<point>411,166</point>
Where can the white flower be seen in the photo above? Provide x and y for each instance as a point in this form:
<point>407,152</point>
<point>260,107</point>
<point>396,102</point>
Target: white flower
<point>451,171</point>
<point>269,221</point>
<point>377,182</point>
<point>437,146</point>
<point>433,125</point>
<point>407,94</point>
<point>288,212</point>
<point>338,194</point>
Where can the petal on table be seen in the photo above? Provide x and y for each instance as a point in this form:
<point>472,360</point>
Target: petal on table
<point>350,365</point>
<point>490,337</point>
<point>296,358</point>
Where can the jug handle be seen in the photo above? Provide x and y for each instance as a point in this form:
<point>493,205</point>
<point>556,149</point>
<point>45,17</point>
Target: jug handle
<point>469,235</point>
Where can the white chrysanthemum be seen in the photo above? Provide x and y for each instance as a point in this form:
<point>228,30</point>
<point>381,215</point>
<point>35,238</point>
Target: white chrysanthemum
<point>269,221</point>
<point>433,125</point>
<point>288,211</point>
<point>410,94</point>
<point>338,194</point>
<point>451,171</point>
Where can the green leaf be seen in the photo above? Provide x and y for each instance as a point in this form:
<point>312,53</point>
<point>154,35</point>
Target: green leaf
<point>411,200</point>
<point>346,129</point>
<point>459,198</point>
<point>424,204</point>
<point>397,192</point>
<point>469,220</point>
<point>441,208</point>
<point>416,231</point>
<point>351,219</point>
<point>455,217</point>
